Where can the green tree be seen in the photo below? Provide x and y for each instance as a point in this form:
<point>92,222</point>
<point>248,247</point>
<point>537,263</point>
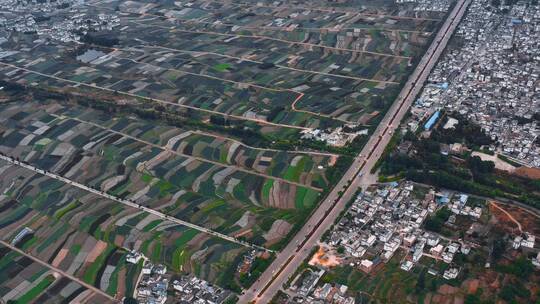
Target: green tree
<point>421,282</point>
<point>130,300</point>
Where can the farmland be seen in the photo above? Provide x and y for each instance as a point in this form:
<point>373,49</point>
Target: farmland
<point>327,67</point>
<point>150,165</point>
<point>194,177</point>
<point>178,130</point>
<point>35,282</point>
<point>71,232</point>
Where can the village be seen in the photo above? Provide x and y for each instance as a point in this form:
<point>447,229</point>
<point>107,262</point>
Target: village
<point>219,152</point>
<point>156,286</point>
<point>56,20</point>
<point>400,221</point>
<point>491,76</point>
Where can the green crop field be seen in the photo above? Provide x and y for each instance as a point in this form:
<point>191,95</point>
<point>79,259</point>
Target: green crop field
<point>36,290</point>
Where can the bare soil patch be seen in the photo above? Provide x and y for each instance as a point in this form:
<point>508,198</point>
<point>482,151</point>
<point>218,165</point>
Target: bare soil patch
<point>532,173</point>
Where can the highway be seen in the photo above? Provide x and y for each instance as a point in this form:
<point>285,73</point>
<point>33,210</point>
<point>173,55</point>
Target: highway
<point>130,203</point>
<point>357,176</point>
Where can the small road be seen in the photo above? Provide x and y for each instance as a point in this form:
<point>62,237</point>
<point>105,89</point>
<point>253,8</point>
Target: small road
<point>291,43</point>
<point>299,96</point>
<point>59,271</point>
<point>241,84</point>
<point>130,203</point>
<point>329,29</point>
<point>238,83</point>
<point>204,160</point>
<point>518,224</point>
<point>357,176</point>
<point>261,37</point>
<point>526,208</point>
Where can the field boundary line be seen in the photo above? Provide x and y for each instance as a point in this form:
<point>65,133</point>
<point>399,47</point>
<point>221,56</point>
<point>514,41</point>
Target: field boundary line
<point>256,120</point>
<point>59,271</point>
<point>299,96</point>
<point>331,10</point>
<point>132,204</point>
<point>201,159</point>
<point>264,37</point>
<point>276,65</point>
<point>270,28</point>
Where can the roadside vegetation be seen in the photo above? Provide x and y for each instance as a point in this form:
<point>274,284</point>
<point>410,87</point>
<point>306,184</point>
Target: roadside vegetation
<point>424,162</point>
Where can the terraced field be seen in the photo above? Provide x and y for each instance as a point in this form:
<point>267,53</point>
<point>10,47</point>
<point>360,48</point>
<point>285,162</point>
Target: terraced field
<point>23,280</point>
<point>289,65</point>
<point>200,178</point>
<point>71,232</point>
<point>177,129</point>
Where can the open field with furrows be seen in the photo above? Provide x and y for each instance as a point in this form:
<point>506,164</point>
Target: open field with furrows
<point>354,7</point>
<point>234,199</point>
<point>124,75</point>
<point>362,69</point>
<point>285,16</point>
<point>291,65</point>
<point>280,114</point>
<point>73,233</point>
<point>23,280</point>
<point>90,81</point>
<point>211,87</point>
<point>349,56</point>
<point>391,41</point>
<point>305,168</point>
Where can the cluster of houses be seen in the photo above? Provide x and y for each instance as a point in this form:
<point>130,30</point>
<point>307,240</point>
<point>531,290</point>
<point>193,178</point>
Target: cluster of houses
<point>335,294</point>
<point>153,285</point>
<point>58,20</point>
<point>459,206</point>
<point>307,290</point>
<point>190,289</point>
<point>492,78</point>
<point>381,221</point>
<point>335,137</point>
<point>306,282</point>
<point>526,241</point>
<point>378,223</point>
<point>427,5</point>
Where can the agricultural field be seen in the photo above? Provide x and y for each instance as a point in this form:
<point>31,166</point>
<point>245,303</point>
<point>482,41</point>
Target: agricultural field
<point>71,232</point>
<point>201,179</point>
<point>290,65</point>
<point>181,129</point>
<point>23,280</point>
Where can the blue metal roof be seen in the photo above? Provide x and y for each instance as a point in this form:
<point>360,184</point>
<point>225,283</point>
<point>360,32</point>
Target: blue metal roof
<point>432,120</point>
